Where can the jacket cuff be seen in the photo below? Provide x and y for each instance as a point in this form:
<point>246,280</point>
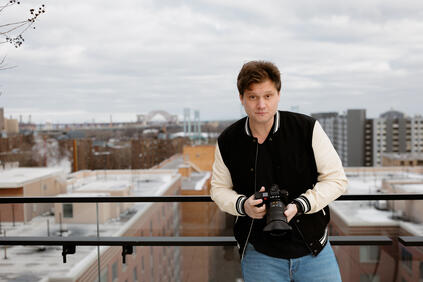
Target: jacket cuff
<point>303,205</point>
<point>240,205</point>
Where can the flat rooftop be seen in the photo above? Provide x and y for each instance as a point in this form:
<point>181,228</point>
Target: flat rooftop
<point>196,181</point>
<point>368,181</point>
<point>174,163</point>
<point>364,213</point>
<point>17,177</point>
<point>410,188</point>
<point>34,263</point>
<point>102,185</point>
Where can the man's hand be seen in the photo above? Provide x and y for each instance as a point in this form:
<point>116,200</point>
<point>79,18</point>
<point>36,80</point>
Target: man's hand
<point>290,211</point>
<point>251,209</point>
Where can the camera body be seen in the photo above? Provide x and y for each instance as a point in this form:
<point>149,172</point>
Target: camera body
<point>275,200</point>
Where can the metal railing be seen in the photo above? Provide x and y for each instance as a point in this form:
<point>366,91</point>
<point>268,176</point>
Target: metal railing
<point>127,243</point>
<point>156,199</point>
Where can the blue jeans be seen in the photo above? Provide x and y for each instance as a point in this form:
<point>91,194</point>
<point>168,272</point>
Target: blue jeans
<point>259,267</point>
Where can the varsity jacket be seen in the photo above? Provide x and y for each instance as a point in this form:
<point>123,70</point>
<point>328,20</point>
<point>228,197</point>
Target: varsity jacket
<point>304,162</point>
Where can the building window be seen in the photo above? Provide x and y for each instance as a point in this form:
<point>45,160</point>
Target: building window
<point>369,254</point>
<point>135,275</point>
<point>67,210</point>
<point>369,278</point>
<point>114,272</point>
<point>406,258</point>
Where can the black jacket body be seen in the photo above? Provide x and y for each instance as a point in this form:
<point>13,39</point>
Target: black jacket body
<point>294,167</point>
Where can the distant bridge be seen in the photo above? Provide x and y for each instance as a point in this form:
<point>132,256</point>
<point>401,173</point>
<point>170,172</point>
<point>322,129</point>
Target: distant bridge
<point>158,116</point>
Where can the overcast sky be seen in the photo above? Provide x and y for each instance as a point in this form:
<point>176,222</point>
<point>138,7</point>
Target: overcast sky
<point>91,59</point>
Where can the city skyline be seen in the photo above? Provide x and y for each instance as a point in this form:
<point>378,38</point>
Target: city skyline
<point>90,60</point>
<point>160,117</point>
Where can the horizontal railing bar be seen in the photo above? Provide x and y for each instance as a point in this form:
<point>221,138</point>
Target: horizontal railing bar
<point>372,197</point>
<point>104,199</point>
<point>150,199</point>
<point>119,241</point>
<point>411,240</point>
<point>168,241</point>
<point>360,240</point>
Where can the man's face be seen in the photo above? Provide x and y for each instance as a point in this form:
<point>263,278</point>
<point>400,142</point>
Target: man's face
<point>260,102</point>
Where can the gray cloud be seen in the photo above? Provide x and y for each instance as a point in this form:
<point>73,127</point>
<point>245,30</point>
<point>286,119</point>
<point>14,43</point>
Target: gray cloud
<point>91,59</point>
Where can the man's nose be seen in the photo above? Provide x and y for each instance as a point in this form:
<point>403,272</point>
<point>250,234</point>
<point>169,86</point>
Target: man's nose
<point>261,103</point>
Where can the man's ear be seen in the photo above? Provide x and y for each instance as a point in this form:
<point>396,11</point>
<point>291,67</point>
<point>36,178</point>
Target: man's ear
<point>241,99</point>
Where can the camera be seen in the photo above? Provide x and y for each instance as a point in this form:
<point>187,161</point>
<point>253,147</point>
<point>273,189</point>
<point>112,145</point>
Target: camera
<point>275,201</point>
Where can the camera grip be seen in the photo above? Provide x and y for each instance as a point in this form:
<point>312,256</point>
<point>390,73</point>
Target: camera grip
<point>259,195</point>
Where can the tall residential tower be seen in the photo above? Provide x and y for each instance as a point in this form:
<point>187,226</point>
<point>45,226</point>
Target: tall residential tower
<point>361,142</point>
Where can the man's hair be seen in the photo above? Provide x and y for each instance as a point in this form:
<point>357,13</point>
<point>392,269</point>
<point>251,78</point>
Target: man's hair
<point>257,72</point>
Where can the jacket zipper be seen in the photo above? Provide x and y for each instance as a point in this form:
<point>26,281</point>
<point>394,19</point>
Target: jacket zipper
<point>255,189</point>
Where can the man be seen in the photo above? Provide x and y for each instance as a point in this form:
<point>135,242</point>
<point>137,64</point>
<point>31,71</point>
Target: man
<point>288,149</point>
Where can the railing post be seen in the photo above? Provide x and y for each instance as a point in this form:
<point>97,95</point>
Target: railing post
<point>68,249</point>
<point>126,250</point>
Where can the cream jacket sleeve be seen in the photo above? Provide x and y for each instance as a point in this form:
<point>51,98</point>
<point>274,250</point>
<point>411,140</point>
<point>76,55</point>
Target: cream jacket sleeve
<point>221,190</point>
<point>331,181</point>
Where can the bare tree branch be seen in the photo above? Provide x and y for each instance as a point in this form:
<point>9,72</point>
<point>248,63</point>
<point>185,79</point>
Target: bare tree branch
<point>3,66</point>
<point>13,32</point>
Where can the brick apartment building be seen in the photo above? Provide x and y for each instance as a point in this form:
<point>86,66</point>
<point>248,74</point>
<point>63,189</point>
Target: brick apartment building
<point>29,182</point>
<point>127,219</point>
<point>390,218</point>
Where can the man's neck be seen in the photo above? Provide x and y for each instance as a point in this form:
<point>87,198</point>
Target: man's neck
<point>260,131</point>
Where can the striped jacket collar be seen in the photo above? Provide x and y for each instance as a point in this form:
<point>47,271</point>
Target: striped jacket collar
<point>275,127</point>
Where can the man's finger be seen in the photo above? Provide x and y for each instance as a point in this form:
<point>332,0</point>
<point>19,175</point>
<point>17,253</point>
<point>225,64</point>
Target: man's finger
<point>256,202</point>
<point>290,211</point>
<point>260,209</point>
<point>261,213</point>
